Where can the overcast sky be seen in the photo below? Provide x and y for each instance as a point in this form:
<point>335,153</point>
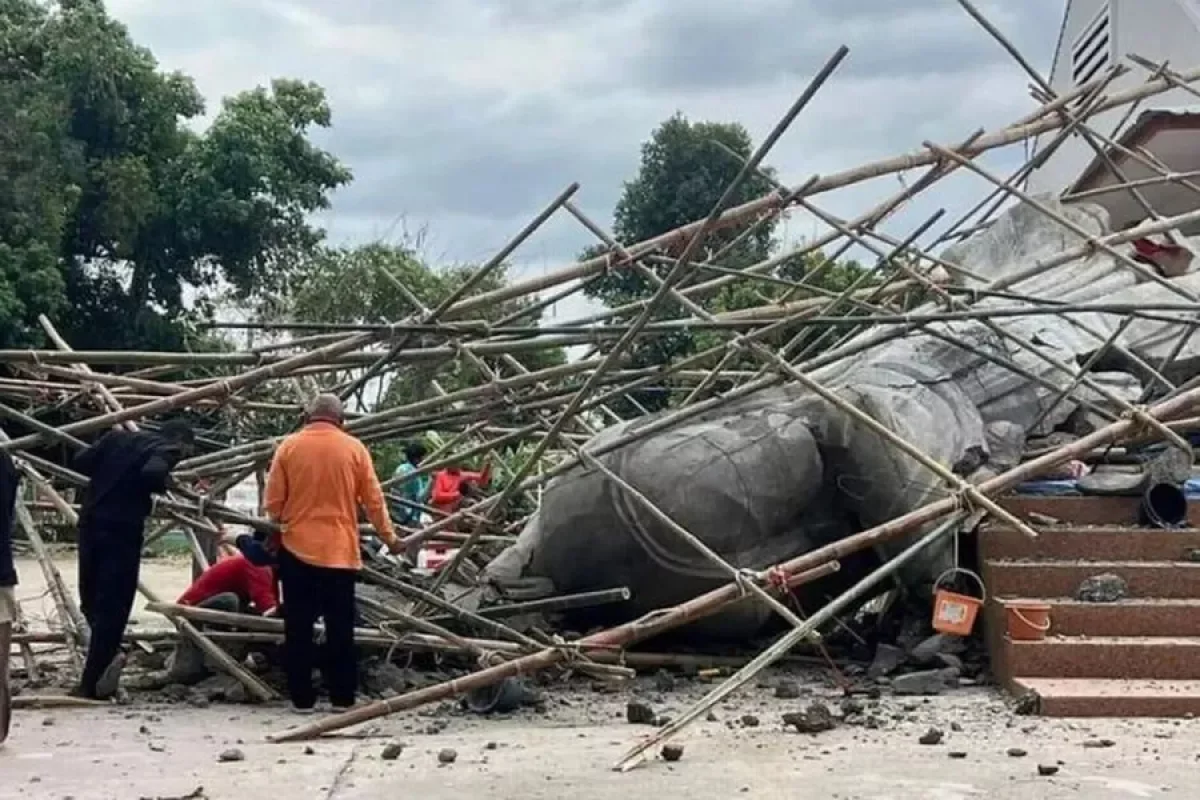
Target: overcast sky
<point>465,117</point>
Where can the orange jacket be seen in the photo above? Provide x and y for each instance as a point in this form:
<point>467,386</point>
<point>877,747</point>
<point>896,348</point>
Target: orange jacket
<point>318,478</point>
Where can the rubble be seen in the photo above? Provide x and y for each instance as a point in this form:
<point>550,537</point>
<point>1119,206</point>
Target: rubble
<point>816,718</point>
<point>672,752</point>
<point>853,434</point>
<point>1103,588</point>
<point>927,682</point>
<point>232,754</point>
<point>639,714</point>
<point>931,737</point>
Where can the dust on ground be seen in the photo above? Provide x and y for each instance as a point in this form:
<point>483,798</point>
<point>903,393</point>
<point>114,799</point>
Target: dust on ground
<point>567,746</point>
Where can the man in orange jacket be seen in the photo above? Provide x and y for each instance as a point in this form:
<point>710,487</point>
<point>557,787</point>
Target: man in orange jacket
<point>319,477</point>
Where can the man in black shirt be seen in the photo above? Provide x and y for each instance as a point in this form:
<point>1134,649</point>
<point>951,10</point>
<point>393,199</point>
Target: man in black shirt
<point>9,478</point>
<point>124,469</point>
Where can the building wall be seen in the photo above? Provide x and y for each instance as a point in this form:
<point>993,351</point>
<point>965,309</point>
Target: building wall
<point>1161,30</point>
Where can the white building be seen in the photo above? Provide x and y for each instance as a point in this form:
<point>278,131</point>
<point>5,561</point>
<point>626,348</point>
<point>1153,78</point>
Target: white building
<point>1095,35</point>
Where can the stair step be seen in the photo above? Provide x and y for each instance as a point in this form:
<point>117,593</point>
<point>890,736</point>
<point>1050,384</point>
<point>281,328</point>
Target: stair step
<point>1174,579</point>
<point>1087,510</point>
<point>1091,697</point>
<point>1145,616</point>
<point>1132,657</point>
<point>1100,542</point>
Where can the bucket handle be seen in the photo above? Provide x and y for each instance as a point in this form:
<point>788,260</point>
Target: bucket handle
<point>962,570</point>
<point>1025,619</point>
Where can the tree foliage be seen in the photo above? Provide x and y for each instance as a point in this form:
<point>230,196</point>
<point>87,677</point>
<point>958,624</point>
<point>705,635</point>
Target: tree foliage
<point>114,207</point>
<point>685,168</point>
<point>361,285</point>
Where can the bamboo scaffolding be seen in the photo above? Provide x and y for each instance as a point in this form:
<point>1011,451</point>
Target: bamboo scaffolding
<point>551,414</point>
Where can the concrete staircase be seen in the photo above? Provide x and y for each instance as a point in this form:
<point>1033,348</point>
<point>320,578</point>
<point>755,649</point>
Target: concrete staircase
<point>1138,657</point>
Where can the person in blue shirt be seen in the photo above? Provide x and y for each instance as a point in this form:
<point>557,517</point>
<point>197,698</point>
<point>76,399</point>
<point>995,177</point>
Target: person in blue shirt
<point>414,489</point>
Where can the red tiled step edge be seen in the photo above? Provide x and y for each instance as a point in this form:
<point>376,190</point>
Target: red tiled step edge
<point>1100,543</point>
<point>1086,510</point>
<point>1091,697</point>
<point>1131,657</point>
<point>1145,616</point>
<point>1062,578</point>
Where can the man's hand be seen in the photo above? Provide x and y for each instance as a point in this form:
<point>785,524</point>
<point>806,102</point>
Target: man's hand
<point>396,546</point>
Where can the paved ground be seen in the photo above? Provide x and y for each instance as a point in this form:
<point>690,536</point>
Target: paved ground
<point>567,749</point>
<point>170,753</point>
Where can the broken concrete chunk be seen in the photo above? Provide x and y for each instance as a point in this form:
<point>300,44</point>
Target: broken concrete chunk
<point>447,755</point>
<point>817,718</point>
<point>931,737</point>
<point>786,689</point>
<point>639,714</point>
<point>392,751</point>
<point>672,752</point>
<point>232,754</point>
<point>928,682</point>
<point>1103,588</point>
<point>887,658</point>
<point>928,651</point>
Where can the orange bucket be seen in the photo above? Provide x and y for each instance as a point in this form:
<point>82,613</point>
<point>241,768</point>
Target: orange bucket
<point>955,613</point>
<point>1027,622</point>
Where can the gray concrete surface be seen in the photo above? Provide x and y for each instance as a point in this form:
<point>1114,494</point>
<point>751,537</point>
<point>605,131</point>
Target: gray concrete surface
<point>171,752</point>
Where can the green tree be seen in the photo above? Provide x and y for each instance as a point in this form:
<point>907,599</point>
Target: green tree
<point>361,285</point>
<point>685,168</point>
<point>114,207</point>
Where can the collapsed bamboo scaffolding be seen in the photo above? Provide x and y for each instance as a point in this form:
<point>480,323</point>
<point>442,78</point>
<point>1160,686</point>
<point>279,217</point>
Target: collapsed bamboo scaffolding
<point>552,411</point>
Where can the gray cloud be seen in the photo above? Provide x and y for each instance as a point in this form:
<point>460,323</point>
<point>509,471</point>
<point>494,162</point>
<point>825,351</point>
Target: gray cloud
<point>467,116</point>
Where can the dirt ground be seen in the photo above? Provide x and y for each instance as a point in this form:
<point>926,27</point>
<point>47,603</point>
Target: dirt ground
<point>568,746</point>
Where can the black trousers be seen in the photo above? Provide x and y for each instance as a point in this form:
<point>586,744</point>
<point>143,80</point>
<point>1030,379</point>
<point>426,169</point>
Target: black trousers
<point>109,560</point>
<point>310,592</point>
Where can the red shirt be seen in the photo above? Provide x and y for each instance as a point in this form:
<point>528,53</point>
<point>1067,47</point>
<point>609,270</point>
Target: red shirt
<point>252,584</point>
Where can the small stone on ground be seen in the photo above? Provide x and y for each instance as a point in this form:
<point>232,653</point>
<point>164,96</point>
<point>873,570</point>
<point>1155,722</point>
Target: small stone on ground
<point>672,752</point>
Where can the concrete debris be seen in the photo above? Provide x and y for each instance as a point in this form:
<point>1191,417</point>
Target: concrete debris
<point>1016,752</point>
<point>749,721</point>
<point>927,652</point>
<point>888,658</point>
<point>786,689</point>
<point>1046,770</point>
<point>1103,588</point>
<point>392,751</point>
<point>672,752</point>
<point>932,736</point>
<point>639,714</point>
<point>447,755</point>
<point>927,682</point>
<point>1099,744</point>
<point>957,755</point>
<point>817,718</point>
<point>230,755</point>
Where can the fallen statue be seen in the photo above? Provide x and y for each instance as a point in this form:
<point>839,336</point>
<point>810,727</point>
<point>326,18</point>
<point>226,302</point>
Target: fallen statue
<point>779,472</point>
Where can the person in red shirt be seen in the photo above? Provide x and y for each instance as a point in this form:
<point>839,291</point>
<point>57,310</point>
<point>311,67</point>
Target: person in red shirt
<point>240,584</point>
<point>452,484</point>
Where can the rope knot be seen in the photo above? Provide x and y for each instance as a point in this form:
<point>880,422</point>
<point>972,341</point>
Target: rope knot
<point>746,576</point>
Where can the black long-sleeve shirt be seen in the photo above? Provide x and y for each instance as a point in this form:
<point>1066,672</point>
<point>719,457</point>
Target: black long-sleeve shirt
<point>125,468</point>
<point>9,480</point>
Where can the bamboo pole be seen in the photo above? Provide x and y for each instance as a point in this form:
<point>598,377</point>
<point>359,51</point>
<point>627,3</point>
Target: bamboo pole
<point>713,601</point>
<point>808,628</point>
